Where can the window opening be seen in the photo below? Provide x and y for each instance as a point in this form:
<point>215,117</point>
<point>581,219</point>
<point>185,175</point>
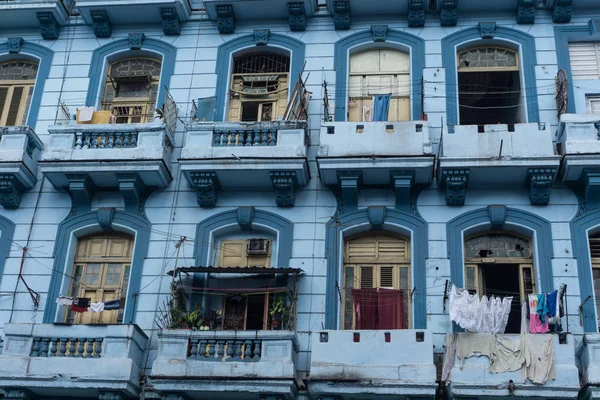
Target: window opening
<point>595,256</point>
<point>585,60</point>
<point>101,272</point>
<point>489,87</point>
<point>376,283</point>
<point>259,87</point>
<point>593,104</point>
<point>17,79</point>
<point>379,71</point>
<point>131,89</point>
<point>500,264</point>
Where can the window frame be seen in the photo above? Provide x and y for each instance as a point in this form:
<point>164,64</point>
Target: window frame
<point>28,86</point>
<point>460,69</point>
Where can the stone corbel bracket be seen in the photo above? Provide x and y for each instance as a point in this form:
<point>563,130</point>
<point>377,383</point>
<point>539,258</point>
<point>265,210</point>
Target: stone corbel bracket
<point>101,23</point>
<point>285,184</point>
<point>341,15</point>
<point>350,183</point>
<point>207,184</point>
<point>539,181</point>
<point>297,18</point>
<point>170,21</point>
<point>225,18</point>
<point>455,182</point>
<point>526,12</point>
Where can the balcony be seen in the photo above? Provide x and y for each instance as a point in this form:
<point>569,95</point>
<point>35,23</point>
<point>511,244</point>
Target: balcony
<point>253,155</point>
<point>588,357</point>
<point>49,14</point>
<point>356,155</point>
<point>63,361</point>
<point>497,156</point>
<point>109,157</point>
<point>227,12</point>
<point>475,381</point>
<point>102,14</point>
<point>364,364</point>
<point>19,153</point>
<point>201,364</point>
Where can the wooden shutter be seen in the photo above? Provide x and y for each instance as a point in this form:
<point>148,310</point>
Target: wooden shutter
<point>366,277</point>
<point>232,253</point>
<point>14,106</point>
<point>3,99</point>
<point>595,247</point>
<point>377,249</point>
<point>26,105</point>
<point>386,277</point>
<point>585,60</point>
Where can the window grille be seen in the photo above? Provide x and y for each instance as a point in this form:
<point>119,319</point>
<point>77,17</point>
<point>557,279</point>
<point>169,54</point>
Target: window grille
<point>261,63</point>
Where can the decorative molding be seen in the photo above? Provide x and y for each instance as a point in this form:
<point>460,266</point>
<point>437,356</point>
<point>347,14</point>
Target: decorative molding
<point>10,191</point>
<point>540,181</point>
<point>346,46</point>
<point>455,182</point>
<point>497,214</point>
<point>207,184</point>
<point>261,36</point>
<point>82,189</point>
<point>225,51</point>
<point>285,183</point>
<point>170,21</point>
<point>399,222</point>
<point>416,13</point>
<point>136,40</point>
<point>245,216</point>
<point>590,183</point>
<point>297,18</point>
<point>101,23</point>
<point>379,32</point>
<point>14,45</point>
<point>376,215</point>
<point>48,25</point>
<point>132,189</point>
<point>502,34</point>
<point>105,218</point>
<point>526,12</point>
<point>448,12</point>
<point>87,223</point>
<point>225,18</point>
<point>350,183</point>
<point>402,182</point>
<point>341,14</point>
<point>561,13</point>
<point>487,29</point>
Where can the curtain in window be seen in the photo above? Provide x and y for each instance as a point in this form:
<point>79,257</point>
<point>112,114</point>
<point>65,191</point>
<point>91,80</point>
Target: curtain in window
<point>381,106</point>
<point>378,308</point>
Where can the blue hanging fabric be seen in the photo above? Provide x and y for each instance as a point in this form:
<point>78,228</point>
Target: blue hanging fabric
<point>381,106</point>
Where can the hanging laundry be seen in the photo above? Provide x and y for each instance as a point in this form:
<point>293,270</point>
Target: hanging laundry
<point>552,303</point>
<point>82,301</point>
<point>542,307</point>
<point>381,106</point>
<point>96,307</point>
<point>473,344</point>
<point>449,355</point>
<point>485,315</point>
<point>539,358</point>
<point>524,319</point>
<point>112,305</point>
<point>64,300</point>
<point>535,322</point>
<point>78,308</point>
<point>507,354</point>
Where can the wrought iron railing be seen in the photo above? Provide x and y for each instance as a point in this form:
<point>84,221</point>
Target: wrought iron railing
<point>170,112</point>
<point>130,113</point>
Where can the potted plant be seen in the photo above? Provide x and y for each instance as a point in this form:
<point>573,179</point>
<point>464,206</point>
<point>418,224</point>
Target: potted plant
<point>279,312</point>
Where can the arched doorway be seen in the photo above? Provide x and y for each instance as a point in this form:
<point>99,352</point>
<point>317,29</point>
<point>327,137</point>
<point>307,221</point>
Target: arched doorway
<point>489,86</point>
<point>501,264</point>
<point>377,282</point>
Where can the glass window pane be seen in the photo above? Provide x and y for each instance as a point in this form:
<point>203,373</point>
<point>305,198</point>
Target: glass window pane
<point>487,57</point>
<point>92,274</point>
<point>497,245</point>
<point>404,283</point>
<point>471,286</point>
<point>113,274</point>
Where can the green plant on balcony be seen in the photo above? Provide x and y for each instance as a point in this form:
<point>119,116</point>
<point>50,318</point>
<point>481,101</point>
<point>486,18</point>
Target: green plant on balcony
<point>280,312</point>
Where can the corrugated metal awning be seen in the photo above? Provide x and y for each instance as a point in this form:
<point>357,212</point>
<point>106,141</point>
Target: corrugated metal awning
<point>237,270</point>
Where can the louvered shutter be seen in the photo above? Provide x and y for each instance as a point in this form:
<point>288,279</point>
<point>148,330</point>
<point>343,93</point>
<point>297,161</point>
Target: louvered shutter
<point>366,277</point>
<point>593,104</point>
<point>13,107</point>
<point>595,247</point>
<point>585,60</point>
<point>3,99</point>
<point>386,277</point>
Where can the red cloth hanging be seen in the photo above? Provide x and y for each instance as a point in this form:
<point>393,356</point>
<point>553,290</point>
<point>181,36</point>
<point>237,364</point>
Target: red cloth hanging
<point>78,309</point>
<point>378,309</point>
<point>366,301</point>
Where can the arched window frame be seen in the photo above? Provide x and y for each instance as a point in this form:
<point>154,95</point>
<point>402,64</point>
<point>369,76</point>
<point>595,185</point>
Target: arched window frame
<point>27,87</point>
<point>43,56</point>
<point>503,36</point>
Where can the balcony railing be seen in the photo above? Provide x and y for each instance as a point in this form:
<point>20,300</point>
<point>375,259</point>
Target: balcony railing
<point>234,138</point>
<point>67,347</point>
<point>106,140</point>
<point>225,349</point>
<point>130,113</point>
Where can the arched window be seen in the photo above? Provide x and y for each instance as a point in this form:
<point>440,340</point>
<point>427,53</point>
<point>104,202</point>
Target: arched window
<point>379,71</point>
<point>595,255</point>
<point>376,282</point>
<point>131,89</point>
<point>101,273</point>
<point>259,87</point>
<point>501,264</point>
<point>489,86</point>
<point>17,79</point>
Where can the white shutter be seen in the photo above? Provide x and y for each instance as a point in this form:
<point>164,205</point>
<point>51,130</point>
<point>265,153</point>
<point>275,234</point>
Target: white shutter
<point>585,60</point>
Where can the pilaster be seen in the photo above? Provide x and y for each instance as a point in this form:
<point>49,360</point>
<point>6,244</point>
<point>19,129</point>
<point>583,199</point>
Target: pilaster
<point>285,184</point>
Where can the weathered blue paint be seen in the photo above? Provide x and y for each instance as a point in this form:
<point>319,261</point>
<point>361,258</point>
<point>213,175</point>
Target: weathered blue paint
<point>364,39</point>
<point>360,221</point>
<point>258,220</point>
<point>228,49</point>
<point>122,48</point>
<point>562,36</point>
<point>44,56</point>
<point>7,229</point>
<point>472,35</point>
<point>482,220</point>
<point>89,223</point>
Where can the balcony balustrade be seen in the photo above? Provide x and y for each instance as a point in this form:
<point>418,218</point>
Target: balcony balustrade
<point>497,156</point>
<point>202,362</point>
<point>78,360</point>
<point>474,380</point>
<point>252,155</point>
<point>367,364</point>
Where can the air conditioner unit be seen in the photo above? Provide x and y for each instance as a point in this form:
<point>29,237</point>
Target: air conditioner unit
<point>258,247</point>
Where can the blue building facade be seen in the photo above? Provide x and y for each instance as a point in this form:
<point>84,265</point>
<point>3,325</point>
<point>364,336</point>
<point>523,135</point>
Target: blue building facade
<point>238,175</point>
